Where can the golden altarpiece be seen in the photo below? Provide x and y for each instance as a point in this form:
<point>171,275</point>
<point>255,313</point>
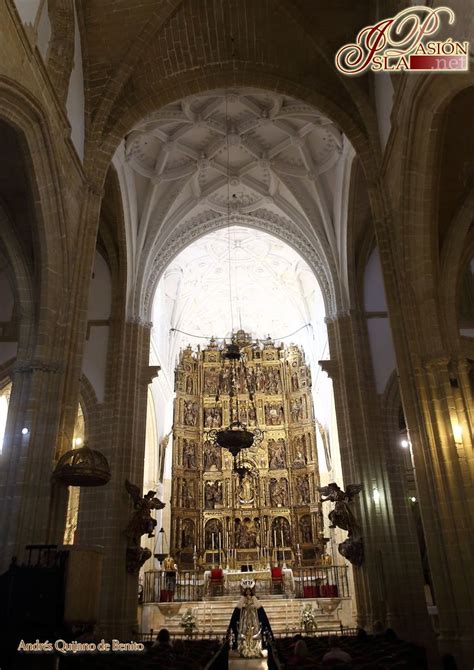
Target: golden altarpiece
<point>273,511</point>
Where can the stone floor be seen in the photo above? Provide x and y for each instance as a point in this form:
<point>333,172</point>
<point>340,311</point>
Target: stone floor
<point>237,663</point>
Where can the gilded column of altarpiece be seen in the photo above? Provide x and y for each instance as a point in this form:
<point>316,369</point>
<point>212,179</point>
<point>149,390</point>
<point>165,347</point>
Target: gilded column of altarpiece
<point>277,500</point>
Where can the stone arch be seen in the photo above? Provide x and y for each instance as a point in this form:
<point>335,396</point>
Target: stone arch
<point>91,411</point>
<point>60,54</point>
<point>424,123</point>
<point>283,230</point>
<point>21,282</point>
<point>456,253</point>
<point>19,109</point>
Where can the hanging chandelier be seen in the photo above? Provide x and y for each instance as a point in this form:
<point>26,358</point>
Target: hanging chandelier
<point>236,383</point>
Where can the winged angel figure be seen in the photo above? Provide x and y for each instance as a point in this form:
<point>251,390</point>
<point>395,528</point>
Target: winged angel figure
<point>141,522</point>
<point>343,517</point>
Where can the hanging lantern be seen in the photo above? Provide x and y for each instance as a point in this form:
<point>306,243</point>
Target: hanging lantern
<point>236,436</point>
<point>82,467</point>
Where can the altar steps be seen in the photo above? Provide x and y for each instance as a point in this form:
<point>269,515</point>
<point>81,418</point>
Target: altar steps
<point>214,616</point>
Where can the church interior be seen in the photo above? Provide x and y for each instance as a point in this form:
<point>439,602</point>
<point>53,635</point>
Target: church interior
<point>236,340</point>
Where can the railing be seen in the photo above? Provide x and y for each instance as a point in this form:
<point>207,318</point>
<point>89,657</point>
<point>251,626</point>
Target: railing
<point>183,586</point>
<point>321,582</point>
<point>189,586</point>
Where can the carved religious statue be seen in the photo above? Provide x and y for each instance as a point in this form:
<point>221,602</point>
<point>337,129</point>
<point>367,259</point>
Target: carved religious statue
<point>212,456</point>
<point>212,494</point>
<point>279,492</point>
<point>190,413</point>
<point>276,454</point>
<point>302,490</point>
<point>246,491</point>
<point>140,524</point>
<point>212,417</point>
<point>189,455</point>
<point>342,516</point>
<point>306,532</point>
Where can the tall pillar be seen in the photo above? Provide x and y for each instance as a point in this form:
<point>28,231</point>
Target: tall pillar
<point>438,407</point>
<point>105,512</point>
<point>389,584</point>
<point>28,459</point>
<point>44,400</point>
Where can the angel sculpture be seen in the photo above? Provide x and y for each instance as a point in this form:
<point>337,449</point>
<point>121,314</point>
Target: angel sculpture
<point>141,522</point>
<point>343,517</point>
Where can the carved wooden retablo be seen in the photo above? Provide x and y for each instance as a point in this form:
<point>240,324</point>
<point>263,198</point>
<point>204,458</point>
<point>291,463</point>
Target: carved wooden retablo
<point>276,500</point>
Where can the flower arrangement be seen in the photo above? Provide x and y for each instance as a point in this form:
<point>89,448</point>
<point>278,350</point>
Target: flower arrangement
<point>189,622</point>
<point>308,617</point>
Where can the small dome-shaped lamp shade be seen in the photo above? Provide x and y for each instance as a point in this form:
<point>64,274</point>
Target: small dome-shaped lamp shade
<point>82,467</point>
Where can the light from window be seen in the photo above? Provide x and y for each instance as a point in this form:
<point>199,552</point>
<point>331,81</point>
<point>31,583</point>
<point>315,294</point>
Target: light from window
<point>3,416</point>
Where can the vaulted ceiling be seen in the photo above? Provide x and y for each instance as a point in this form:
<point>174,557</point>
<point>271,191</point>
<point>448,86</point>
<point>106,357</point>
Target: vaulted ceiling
<point>248,157</point>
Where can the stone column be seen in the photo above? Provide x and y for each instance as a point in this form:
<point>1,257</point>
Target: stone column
<point>105,512</point>
<point>389,584</point>
<point>27,461</point>
<point>437,403</point>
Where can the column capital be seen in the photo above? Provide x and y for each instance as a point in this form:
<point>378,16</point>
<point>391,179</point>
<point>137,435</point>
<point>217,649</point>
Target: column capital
<point>330,367</point>
<point>150,373</point>
<point>37,365</point>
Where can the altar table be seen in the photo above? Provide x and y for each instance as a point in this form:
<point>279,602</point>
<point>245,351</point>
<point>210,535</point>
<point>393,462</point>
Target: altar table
<point>263,578</point>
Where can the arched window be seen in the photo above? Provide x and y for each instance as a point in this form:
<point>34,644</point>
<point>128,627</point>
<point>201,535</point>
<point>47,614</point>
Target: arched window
<point>4,402</point>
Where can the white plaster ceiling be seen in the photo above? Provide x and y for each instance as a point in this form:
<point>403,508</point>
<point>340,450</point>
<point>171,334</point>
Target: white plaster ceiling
<point>237,278</point>
<point>229,156</point>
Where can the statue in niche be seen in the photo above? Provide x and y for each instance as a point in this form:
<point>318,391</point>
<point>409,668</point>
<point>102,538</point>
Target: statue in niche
<point>274,414</point>
<point>212,417</point>
<point>273,383</point>
<point>295,383</point>
<point>212,494</point>
<point>300,458</point>
<point>252,414</point>
<point>342,517</point>
<point>210,381</point>
<point>302,490</point>
<point>190,413</point>
<point>276,454</point>
<point>296,410</point>
<point>189,455</point>
<point>279,492</point>
<point>306,532</point>
<point>243,413</point>
<point>259,379</point>
<point>187,533</point>
<point>246,491</point>
<point>212,457</point>
<point>187,494</point>
<point>189,384</point>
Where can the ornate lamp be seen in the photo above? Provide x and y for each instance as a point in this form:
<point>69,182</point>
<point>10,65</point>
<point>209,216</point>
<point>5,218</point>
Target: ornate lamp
<point>82,467</point>
<point>236,436</point>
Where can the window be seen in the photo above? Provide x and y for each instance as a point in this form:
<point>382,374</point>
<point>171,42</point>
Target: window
<point>4,402</point>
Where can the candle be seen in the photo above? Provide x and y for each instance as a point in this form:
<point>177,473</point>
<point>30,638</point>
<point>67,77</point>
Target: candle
<point>195,550</point>
<point>212,541</point>
<point>275,539</point>
<point>282,542</point>
<point>220,544</point>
